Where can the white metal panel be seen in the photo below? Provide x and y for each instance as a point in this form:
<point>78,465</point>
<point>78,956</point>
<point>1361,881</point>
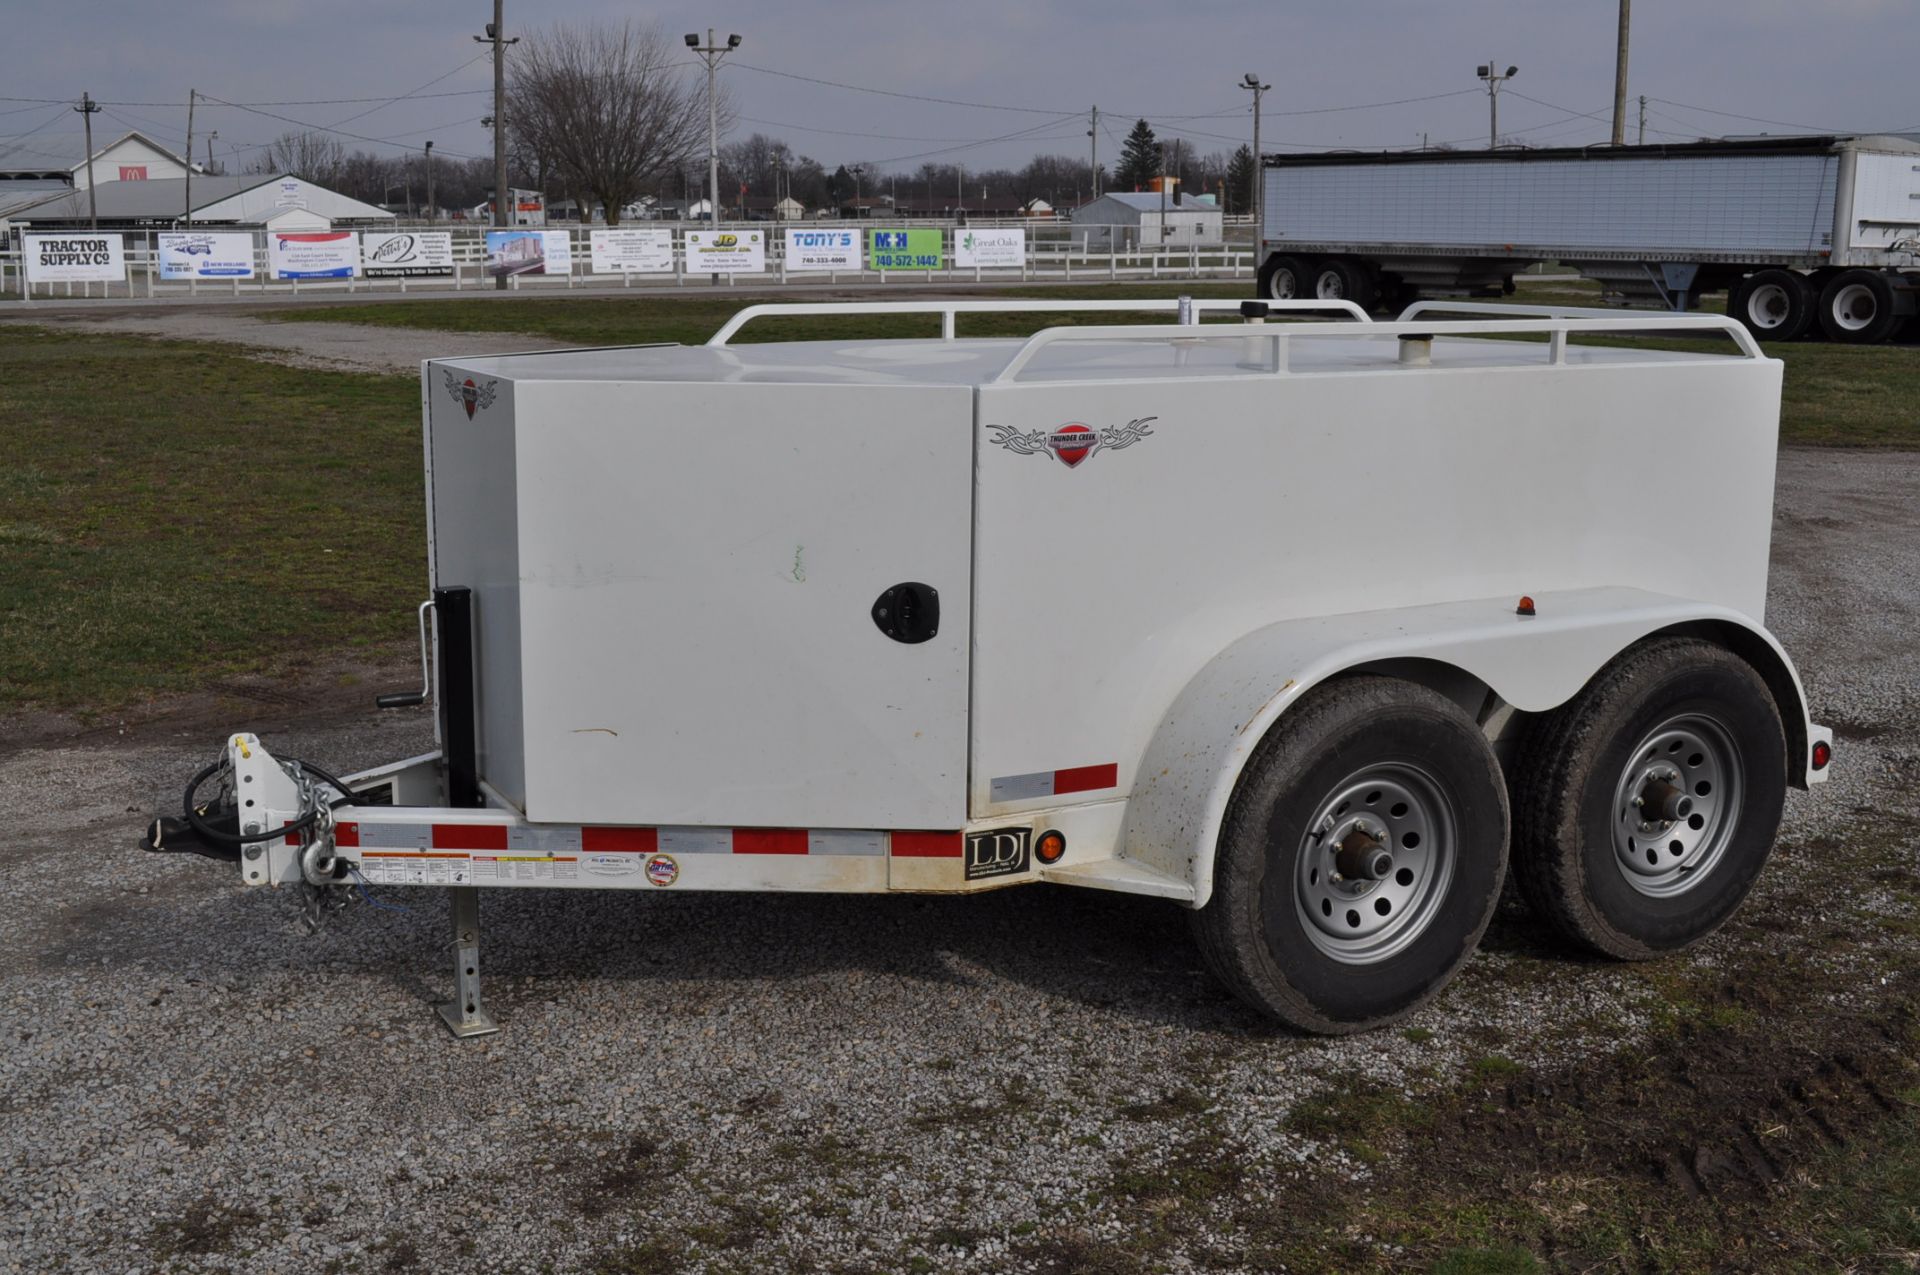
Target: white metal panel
<point>698,564</point>
<point>1886,200</point>
<point>475,542</point>
<point>1101,589</point>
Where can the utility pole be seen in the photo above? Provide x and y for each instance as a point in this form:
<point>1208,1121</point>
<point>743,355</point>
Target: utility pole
<point>1620,77</point>
<point>1093,156</point>
<point>497,36</point>
<point>189,186</point>
<point>430,205</point>
<point>1643,119</point>
<point>711,53</point>
<point>1488,72</point>
<point>212,137</point>
<point>1252,81</point>
<point>87,108</point>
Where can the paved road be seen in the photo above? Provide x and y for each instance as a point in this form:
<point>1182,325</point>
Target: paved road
<point>759,1081</point>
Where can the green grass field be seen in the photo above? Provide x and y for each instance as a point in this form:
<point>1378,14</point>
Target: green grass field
<point>173,513</point>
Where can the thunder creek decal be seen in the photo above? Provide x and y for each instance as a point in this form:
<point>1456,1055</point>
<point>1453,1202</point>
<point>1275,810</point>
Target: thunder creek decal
<point>1074,441</point>
<point>662,870</point>
<point>469,395</point>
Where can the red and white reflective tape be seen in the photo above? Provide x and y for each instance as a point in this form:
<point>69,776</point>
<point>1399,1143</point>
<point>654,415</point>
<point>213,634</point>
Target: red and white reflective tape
<point>1053,783</point>
<point>566,842</point>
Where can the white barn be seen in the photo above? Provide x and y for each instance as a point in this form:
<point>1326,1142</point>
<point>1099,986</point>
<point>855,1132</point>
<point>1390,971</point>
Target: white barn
<point>1144,219</point>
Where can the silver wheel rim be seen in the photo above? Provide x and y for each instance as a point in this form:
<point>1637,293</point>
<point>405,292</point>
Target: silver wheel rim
<point>1282,285</point>
<point>1768,306</point>
<point>1360,919</point>
<point>1329,287</point>
<point>1855,307</point>
<point>1662,856</point>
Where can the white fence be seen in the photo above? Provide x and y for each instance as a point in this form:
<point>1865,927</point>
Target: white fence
<point>1054,251</point>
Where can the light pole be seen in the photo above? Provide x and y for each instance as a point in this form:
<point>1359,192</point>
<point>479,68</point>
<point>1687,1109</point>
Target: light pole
<point>497,37</point>
<point>1252,82</point>
<point>711,52</point>
<point>212,137</point>
<point>1494,81</point>
<point>430,208</point>
<point>856,170</point>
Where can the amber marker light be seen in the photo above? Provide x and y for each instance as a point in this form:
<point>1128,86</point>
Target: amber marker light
<point>1050,847</point>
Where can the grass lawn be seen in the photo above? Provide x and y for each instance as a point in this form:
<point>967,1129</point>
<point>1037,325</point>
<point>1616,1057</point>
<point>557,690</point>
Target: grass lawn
<point>173,513</point>
<point>1835,395</point>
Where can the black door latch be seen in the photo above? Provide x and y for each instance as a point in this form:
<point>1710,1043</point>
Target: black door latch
<point>908,612</point>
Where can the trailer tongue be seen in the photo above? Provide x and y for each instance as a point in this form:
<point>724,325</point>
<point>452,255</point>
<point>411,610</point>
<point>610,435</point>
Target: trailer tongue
<point>1226,614</point>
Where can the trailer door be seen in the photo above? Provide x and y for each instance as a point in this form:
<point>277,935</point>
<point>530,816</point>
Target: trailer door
<point>700,566</point>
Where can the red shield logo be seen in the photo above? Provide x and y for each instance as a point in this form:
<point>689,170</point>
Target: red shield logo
<point>469,396</point>
<point>1072,443</point>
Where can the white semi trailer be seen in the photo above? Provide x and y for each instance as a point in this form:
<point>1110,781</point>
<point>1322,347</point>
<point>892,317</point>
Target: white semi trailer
<point>1300,626</point>
<point>1800,231</point>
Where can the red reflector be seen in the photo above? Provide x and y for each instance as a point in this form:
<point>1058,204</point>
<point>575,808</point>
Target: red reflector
<point>627,840</point>
<point>1085,779</point>
<point>769,840</point>
<point>1822,754</point>
<point>926,845</point>
<point>1050,847</point>
<point>346,834</point>
<point>1525,607</point>
<point>469,836</point>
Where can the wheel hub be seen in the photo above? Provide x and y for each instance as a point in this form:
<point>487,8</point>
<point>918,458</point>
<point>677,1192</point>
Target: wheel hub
<point>1675,805</point>
<point>1375,863</point>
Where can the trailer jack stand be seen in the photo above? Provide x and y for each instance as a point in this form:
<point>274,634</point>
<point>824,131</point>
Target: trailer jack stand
<point>465,1015</point>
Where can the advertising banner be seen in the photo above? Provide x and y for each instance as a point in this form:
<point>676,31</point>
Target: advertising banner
<point>323,254</point>
<point>206,255</point>
<point>77,258</point>
<point>622,251</point>
<point>511,252</point>
<point>991,248</point>
<point>904,249</point>
<point>406,254</point>
<point>823,249</point>
<point>726,252</point>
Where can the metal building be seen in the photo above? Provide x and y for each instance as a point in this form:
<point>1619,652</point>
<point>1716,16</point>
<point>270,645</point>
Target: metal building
<point>1144,219</point>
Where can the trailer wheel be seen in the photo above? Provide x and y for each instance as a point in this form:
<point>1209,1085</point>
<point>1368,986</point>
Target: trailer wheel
<point>1360,859</point>
<point>1857,307</point>
<point>1343,279</point>
<point>1644,808</point>
<point>1283,279</point>
<point>1776,305</point>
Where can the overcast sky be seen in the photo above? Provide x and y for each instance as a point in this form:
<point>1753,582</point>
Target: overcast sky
<point>1802,64</point>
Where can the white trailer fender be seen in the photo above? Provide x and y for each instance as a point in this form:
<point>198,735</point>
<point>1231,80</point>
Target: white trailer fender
<point>1533,663</point>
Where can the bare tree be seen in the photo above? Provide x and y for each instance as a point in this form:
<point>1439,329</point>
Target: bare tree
<point>314,156</point>
<point>607,107</point>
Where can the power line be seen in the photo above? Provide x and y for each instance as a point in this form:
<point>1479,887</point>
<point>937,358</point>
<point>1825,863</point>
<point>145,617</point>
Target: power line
<point>414,94</point>
<point>321,128</point>
<point>1735,115</point>
<point>913,97</point>
<point>1369,106</point>
<point>318,101</point>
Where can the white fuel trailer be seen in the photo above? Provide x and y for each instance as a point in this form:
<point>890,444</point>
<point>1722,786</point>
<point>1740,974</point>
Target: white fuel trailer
<point>1801,232</point>
<point>1298,625</point>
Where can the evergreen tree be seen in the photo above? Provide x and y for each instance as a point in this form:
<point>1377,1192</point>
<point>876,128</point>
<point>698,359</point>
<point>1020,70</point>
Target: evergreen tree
<point>1240,177</point>
<point>1139,159</point>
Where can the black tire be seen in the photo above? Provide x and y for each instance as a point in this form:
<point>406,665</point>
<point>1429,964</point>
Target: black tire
<point>1283,279</point>
<point>1775,305</point>
<point>1578,841</point>
<point>1255,930</point>
<point>1344,279</point>
<point>1857,307</point>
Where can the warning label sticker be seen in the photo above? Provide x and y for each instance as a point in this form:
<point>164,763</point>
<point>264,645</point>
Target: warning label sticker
<point>400,868</point>
<point>525,867</point>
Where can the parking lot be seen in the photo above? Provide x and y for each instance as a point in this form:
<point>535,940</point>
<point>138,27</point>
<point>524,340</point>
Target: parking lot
<point>1034,1079</point>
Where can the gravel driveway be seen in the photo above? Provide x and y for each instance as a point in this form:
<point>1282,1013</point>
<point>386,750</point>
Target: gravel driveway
<point>738,1082</point>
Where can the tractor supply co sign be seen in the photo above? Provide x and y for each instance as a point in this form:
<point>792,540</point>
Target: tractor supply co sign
<point>726,251</point>
<point>823,249</point>
<point>326,254</point>
<point>617,251</point>
<point>198,255</point>
<point>406,255</point>
<point>904,249</point>
<point>75,258</point>
<point>990,248</point>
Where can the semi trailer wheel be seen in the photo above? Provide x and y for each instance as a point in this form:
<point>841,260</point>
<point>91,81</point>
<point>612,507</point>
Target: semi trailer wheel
<point>1342,279</point>
<point>1283,279</point>
<point>1644,809</point>
<point>1360,860</point>
<point>1857,307</point>
<point>1776,305</point>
